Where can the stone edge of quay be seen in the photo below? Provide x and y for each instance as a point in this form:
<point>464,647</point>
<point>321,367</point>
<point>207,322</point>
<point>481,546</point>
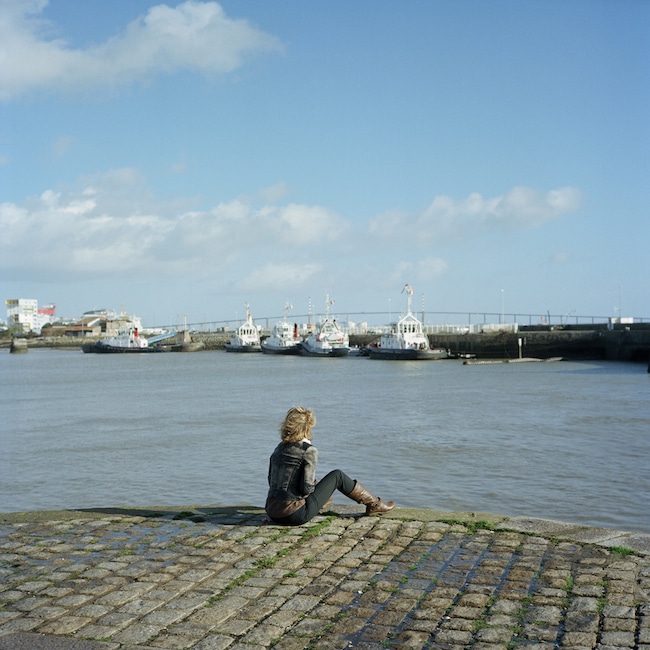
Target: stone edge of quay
<point>636,541</point>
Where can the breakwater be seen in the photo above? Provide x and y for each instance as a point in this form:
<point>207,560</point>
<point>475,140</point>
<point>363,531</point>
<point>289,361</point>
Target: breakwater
<point>578,344</point>
<point>610,345</point>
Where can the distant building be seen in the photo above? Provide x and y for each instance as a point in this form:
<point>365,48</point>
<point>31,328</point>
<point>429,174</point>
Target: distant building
<point>621,320</point>
<point>25,314</point>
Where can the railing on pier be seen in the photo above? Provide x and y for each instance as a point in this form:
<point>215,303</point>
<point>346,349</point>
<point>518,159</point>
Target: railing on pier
<point>434,322</point>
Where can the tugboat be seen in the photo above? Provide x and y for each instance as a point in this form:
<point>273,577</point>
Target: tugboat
<point>127,340</point>
<point>284,337</point>
<point>246,338</point>
<point>329,340</point>
<point>406,340</point>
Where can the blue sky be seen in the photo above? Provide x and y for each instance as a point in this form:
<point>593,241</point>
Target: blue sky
<point>182,159</point>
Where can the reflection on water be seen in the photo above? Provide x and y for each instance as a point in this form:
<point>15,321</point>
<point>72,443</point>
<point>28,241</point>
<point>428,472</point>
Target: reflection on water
<point>562,440</point>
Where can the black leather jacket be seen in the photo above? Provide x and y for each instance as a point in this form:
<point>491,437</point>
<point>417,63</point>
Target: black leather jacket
<point>292,471</point>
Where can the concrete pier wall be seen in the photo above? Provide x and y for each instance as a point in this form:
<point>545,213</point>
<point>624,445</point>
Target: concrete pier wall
<point>588,344</point>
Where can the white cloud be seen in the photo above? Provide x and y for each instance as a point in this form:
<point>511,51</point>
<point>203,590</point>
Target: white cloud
<point>301,225</point>
<point>194,36</point>
<point>273,193</point>
<point>273,276</point>
<point>112,228</point>
<point>560,257</point>
<point>113,225</point>
<point>417,272</point>
<point>61,146</point>
<point>520,208</point>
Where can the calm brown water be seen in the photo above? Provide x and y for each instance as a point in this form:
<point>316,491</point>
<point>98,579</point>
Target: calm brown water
<point>567,440</point>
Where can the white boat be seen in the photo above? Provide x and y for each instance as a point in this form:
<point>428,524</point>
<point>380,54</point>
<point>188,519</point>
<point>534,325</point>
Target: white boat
<point>126,340</point>
<point>284,338</point>
<point>246,337</point>
<point>406,340</point>
<point>329,340</point>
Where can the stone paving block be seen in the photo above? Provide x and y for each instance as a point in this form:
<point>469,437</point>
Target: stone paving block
<point>376,633</point>
<point>20,625</point>
<point>47,612</point>
<point>594,591</point>
<point>140,607</point>
<point>348,625</point>
<point>620,624</point>
<point>34,586</point>
<point>117,619</point>
<point>294,643</point>
<point>579,639</point>
<point>618,639</point>
<point>400,604</point>
<point>167,641</point>
<point>618,611</point>
<point>116,598</point>
<point>195,575</point>
<point>164,617</point>
<point>97,631</point>
<point>452,623</point>
<point>262,635</point>
<point>72,600</point>
<point>421,625</point>
<point>376,596</point>
<point>579,621</point>
<point>501,620</point>
<point>56,592</point>
<point>285,590</point>
<point>29,604</point>
<point>473,600</point>
<point>7,616</point>
<point>137,634</point>
<point>537,632</point>
<point>627,598</point>
<point>454,637</point>
<point>547,614</point>
<point>65,625</point>
<point>287,618</point>
<point>92,611</point>
<point>301,603</point>
<point>219,611</point>
<point>215,642</point>
<point>494,635</point>
<point>261,608</point>
<point>11,596</point>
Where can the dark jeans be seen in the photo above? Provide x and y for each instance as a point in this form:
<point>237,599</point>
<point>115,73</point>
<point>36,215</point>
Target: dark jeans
<point>335,480</point>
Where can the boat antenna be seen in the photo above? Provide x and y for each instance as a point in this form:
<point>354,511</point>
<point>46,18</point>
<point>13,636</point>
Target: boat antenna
<point>409,293</point>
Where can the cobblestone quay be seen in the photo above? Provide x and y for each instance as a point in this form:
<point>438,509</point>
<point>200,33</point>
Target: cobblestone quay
<point>214,578</point>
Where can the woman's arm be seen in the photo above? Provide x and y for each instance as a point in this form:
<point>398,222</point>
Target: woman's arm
<point>309,470</point>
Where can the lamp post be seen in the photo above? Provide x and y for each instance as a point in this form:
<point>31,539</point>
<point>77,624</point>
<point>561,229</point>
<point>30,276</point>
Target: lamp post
<point>502,307</point>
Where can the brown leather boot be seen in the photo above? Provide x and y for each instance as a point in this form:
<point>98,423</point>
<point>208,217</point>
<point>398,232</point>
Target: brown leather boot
<point>374,505</point>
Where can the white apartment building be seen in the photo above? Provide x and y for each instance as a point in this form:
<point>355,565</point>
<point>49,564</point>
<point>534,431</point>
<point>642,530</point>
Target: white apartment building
<point>24,312</point>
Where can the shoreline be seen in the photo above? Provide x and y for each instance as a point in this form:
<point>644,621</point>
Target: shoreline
<point>569,344</point>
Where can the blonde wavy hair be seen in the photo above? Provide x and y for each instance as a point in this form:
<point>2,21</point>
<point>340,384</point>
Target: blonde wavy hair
<point>297,424</point>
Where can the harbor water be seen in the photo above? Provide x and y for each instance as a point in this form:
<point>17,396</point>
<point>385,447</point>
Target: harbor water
<point>564,440</point>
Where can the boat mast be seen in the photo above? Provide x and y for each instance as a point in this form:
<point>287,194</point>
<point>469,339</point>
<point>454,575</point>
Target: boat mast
<point>409,293</point>
<point>327,306</point>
